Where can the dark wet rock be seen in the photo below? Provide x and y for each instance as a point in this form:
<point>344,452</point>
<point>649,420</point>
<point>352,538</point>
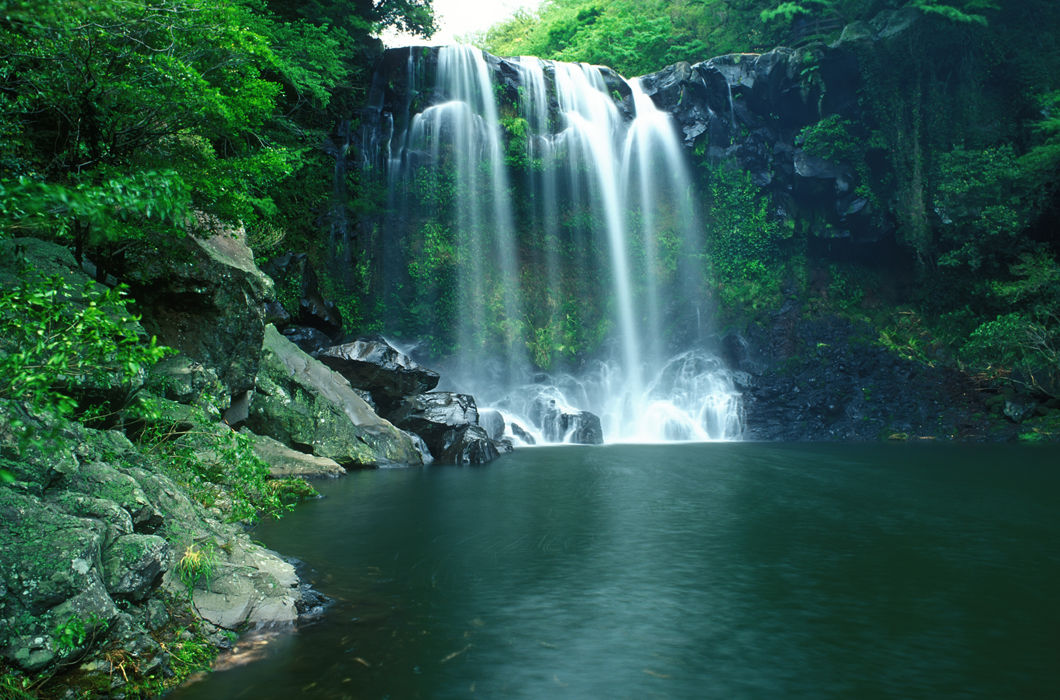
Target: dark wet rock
<point>467,444</point>
<point>1019,408</point>
<point>276,314</point>
<point>522,434</point>
<point>312,604</point>
<point>559,424</point>
<point>750,108</point>
<point>448,424</point>
<point>374,365</point>
<point>425,413</point>
<point>825,379</point>
<point>298,289</point>
<point>134,565</point>
<point>493,422</point>
<point>308,339</point>
<point>206,298</point>
<point>181,378</point>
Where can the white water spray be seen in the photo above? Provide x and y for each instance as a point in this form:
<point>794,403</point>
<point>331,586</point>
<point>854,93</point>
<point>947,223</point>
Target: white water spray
<point>618,161</point>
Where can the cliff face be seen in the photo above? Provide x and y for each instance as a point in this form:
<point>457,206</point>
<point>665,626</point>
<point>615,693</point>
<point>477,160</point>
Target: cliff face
<point>750,109</point>
<point>808,127</point>
<point>747,109</point>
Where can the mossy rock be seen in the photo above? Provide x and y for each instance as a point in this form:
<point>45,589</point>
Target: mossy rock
<point>302,403</point>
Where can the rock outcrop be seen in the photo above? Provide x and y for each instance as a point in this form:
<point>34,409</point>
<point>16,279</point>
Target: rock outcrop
<point>206,298</point>
<point>301,300</point>
<point>304,404</point>
<point>825,379</point>
<point>374,365</point>
<point>750,108</point>
<point>92,533</point>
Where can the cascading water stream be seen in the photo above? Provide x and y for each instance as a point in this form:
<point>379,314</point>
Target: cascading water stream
<point>605,209</point>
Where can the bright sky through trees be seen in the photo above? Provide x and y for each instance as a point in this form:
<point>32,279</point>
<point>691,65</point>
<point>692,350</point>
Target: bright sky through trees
<point>457,18</point>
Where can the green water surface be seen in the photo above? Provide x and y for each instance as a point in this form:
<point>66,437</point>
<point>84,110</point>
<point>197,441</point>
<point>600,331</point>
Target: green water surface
<point>678,571</point>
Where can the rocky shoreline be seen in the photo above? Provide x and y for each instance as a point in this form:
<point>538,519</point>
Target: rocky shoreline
<point>119,571</point>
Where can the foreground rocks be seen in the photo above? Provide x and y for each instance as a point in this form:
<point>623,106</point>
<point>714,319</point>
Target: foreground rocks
<point>93,535</point>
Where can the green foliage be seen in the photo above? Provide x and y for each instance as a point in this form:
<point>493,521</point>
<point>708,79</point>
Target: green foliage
<point>833,138</point>
<point>909,337</point>
<point>517,134</point>
<point>1024,341</point>
<point>963,11</point>
<point>632,36</point>
<point>215,464</point>
<point>640,36</point>
<point>293,491</point>
<point>745,241</point>
<point>434,260</point>
<point>14,687</point>
<point>71,634</point>
<point>88,212</point>
<point>117,118</point>
<point>785,12</point>
<point>56,339</point>
<point>188,655</point>
<point>976,200</point>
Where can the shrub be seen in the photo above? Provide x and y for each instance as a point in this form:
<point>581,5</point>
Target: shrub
<point>57,339</point>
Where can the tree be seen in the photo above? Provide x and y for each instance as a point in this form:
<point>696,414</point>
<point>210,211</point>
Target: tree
<point>120,109</point>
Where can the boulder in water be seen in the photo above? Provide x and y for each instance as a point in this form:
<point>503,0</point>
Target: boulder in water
<point>493,422</point>
<point>374,365</point>
<point>448,424</point>
<point>559,424</point>
<point>468,444</point>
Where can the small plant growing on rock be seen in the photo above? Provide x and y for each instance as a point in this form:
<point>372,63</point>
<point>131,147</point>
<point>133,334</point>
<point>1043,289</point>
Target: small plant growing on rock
<point>72,634</point>
<point>196,565</point>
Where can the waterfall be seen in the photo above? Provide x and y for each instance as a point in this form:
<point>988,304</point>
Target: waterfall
<point>540,213</point>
